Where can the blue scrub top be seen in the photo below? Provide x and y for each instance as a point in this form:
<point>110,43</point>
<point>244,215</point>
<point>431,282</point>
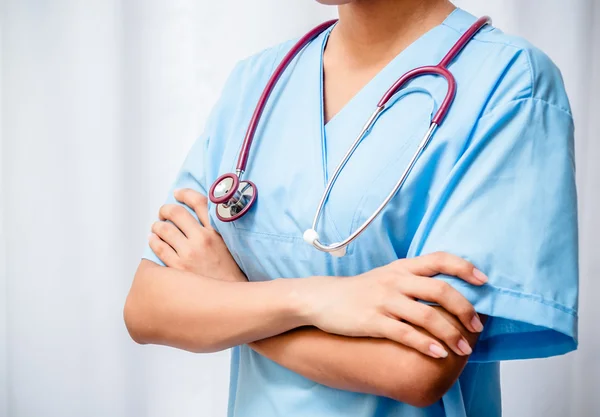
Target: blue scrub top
<point>496,186</point>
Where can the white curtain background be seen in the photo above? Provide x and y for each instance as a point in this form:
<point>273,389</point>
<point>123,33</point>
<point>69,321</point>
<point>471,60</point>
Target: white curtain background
<point>99,102</point>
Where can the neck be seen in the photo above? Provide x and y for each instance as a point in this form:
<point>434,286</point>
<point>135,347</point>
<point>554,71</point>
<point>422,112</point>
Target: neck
<point>377,30</point>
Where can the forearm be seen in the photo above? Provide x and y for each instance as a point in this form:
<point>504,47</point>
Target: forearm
<point>366,365</point>
<point>180,309</point>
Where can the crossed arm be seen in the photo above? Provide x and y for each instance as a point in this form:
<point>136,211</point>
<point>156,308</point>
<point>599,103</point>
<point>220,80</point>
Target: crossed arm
<point>369,365</point>
<point>365,333</point>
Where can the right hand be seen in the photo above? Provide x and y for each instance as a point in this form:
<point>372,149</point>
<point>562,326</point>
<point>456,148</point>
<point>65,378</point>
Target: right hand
<point>383,303</point>
<point>192,245</point>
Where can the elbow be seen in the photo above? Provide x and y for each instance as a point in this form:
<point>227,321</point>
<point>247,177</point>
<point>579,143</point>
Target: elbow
<point>135,321</point>
<point>137,312</point>
<point>420,397</point>
<point>424,391</point>
<point>428,397</point>
<point>145,326</point>
<point>153,315</point>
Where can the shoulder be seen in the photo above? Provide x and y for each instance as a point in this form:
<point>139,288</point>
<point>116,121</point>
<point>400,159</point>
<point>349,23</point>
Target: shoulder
<point>244,85</point>
<point>525,71</point>
<point>255,70</point>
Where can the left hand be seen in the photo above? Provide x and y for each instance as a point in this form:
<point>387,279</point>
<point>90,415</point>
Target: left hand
<point>184,243</point>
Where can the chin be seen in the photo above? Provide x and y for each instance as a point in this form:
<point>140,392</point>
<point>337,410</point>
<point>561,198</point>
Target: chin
<point>334,2</point>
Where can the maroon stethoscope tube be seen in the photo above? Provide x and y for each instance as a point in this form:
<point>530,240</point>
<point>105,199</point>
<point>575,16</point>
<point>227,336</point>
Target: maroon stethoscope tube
<point>262,101</point>
<point>440,69</point>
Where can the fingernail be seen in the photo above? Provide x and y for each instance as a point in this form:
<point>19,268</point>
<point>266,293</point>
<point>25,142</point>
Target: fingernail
<point>437,351</point>
<point>476,323</point>
<point>480,276</point>
<point>464,347</point>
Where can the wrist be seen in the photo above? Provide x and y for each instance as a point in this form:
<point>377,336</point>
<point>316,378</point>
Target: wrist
<point>300,298</point>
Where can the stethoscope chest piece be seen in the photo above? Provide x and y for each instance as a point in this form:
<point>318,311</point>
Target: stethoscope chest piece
<point>311,236</point>
<point>233,198</point>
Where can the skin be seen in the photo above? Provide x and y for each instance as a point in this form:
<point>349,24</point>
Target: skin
<point>369,34</point>
<point>367,333</point>
<point>334,2</point>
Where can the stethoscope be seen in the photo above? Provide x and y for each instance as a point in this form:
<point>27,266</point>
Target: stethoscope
<point>234,197</point>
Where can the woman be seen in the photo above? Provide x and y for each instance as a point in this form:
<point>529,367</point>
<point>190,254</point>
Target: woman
<point>402,333</point>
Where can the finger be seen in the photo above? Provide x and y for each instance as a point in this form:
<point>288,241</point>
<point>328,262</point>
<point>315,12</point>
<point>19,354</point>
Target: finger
<point>170,234</point>
<point>196,201</point>
<point>445,263</point>
<point>180,217</point>
<point>408,336</point>
<point>164,252</point>
<point>442,293</point>
<point>428,318</point>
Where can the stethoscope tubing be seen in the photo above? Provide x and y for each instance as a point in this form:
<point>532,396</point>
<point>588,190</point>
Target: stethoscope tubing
<point>338,249</point>
<point>227,197</point>
<point>244,152</point>
<point>264,97</point>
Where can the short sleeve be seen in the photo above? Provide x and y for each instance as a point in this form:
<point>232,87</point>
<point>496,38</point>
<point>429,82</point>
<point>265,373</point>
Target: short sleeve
<point>510,207</point>
<point>192,174</point>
